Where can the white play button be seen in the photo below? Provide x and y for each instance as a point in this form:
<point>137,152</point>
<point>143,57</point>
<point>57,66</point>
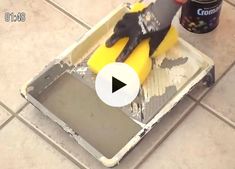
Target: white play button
<point>117,84</point>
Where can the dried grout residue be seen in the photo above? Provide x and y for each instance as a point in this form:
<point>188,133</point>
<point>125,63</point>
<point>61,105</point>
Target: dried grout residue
<point>169,74</point>
<point>168,70</point>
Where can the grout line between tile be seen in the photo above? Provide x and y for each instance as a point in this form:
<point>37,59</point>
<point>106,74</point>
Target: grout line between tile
<point>168,133</point>
<point>218,115</point>
<point>81,22</point>
<point>217,81</point>
<point>18,111</point>
<point>11,113</point>
<point>52,143</point>
<point>191,97</point>
<point>7,121</point>
<point>230,3</point>
<point>7,108</point>
<point>78,20</point>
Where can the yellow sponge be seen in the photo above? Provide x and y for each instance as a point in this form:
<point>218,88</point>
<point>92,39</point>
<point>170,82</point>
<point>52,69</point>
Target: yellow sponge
<point>139,59</point>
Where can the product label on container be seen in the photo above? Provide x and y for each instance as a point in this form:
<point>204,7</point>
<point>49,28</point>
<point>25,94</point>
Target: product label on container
<point>201,16</point>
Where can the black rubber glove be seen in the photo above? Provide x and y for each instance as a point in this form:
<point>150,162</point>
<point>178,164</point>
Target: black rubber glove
<point>144,24</point>
<point>130,26</point>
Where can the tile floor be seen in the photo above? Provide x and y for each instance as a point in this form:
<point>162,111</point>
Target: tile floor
<point>198,133</point>
<point>200,141</point>
<point>30,45</point>
<point>22,148</point>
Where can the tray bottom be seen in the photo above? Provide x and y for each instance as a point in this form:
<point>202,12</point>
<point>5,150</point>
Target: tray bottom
<point>107,129</point>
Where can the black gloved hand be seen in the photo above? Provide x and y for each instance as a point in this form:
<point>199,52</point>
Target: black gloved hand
<point>138,26</point>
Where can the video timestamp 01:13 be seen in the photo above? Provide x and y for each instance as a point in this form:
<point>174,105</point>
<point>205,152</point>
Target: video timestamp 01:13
<point>15,17</point>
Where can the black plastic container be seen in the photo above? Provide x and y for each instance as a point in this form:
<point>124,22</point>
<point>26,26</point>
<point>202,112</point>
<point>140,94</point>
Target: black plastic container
<point>201,16</point>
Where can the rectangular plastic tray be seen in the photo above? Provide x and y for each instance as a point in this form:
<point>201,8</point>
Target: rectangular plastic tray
<point>64,91</point>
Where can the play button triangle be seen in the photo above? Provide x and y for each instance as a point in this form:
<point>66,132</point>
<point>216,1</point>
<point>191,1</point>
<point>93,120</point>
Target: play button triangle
<point>117,84</point>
